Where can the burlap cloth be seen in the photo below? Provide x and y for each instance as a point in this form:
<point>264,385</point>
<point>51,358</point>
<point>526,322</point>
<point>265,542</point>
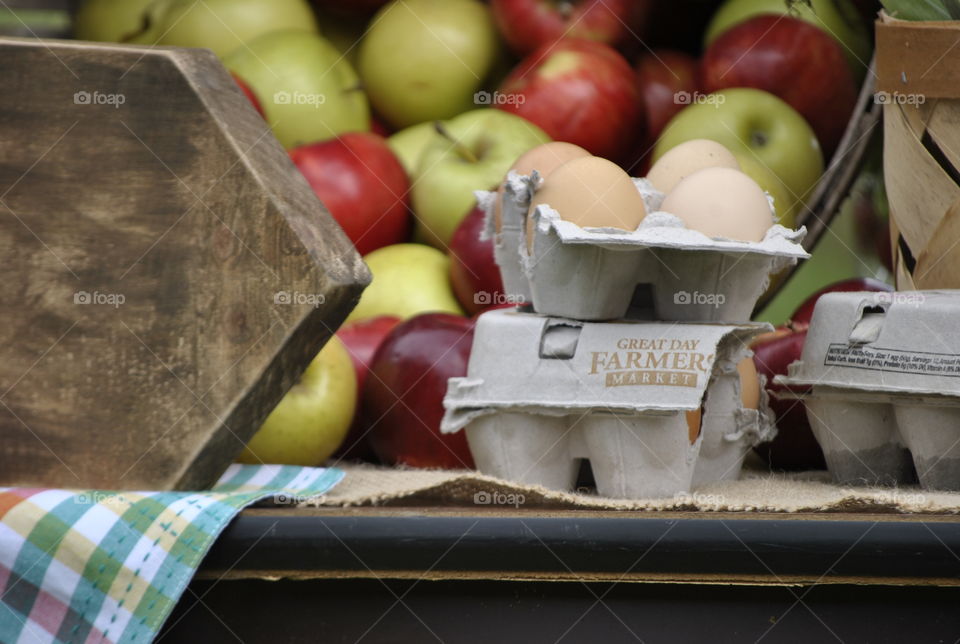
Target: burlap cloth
<point>756,491</point>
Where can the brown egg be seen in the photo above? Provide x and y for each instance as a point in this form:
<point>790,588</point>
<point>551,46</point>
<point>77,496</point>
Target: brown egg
<point>544,159</point>
<point>592,193</point>
<point>682,160</point>
<point>693,424</point>
<point>721,202</point>
<point>749,384</point>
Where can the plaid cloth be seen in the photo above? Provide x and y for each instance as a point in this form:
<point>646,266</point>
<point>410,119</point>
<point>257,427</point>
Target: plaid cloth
<point>109,566</point>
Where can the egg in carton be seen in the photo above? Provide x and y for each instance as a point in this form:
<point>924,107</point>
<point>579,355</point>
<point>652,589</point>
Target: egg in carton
<point>661,270</point>
<point>880,380</point>
<point>656,408</point>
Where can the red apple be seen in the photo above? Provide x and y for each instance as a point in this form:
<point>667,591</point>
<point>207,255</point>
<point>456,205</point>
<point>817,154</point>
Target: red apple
<point>362,184</point>
<point>663,75</point>
<point>403,397</point>
<point>792,59</point>
<point>248,93</point>
<point>795,446</point>
<point>361,340</point>
<point>474,273</point>
<point>578,91</point>
<point>529,24</point>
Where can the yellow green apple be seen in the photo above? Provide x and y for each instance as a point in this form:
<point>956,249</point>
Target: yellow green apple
<point>109,20</point>
<point>409,142</point>
<point>472,152</point>
<point>223,25</point>
<point>307,89</point>
<point>313,418</point>
<point>408,279</point>
<point>422,60</point>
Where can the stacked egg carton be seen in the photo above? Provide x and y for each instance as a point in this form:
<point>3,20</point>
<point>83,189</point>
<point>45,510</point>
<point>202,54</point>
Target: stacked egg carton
<point>628,355</point>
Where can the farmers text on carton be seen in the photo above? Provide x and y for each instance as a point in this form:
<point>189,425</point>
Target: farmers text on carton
<point>659,362</point>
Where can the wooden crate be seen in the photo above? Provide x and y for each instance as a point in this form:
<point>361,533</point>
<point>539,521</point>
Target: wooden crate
<point>152,229</point>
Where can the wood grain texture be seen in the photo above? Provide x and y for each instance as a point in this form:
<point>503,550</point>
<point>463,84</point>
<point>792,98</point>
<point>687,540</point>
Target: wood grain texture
<point>148,219</point>
<point>918,58</point>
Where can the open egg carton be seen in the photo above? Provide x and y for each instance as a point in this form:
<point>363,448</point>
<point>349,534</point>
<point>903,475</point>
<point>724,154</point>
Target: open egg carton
<point>657,408</point>
<point>880,379</point>
<point>673,273</point>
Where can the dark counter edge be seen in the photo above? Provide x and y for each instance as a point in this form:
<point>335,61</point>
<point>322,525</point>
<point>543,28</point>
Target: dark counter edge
<point>589,546</point>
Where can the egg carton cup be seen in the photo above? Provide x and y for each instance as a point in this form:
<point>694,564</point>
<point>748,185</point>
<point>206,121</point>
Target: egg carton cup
<point>880,380</point>
<point>542,393</point>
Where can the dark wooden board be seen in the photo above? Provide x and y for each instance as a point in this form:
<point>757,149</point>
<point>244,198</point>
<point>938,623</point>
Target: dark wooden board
<point>144,174</point>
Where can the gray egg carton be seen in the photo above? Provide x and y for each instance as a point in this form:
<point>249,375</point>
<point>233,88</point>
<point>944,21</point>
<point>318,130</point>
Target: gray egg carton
<point>880,379</point>
<point>661,271</point>
<point>541,393</point>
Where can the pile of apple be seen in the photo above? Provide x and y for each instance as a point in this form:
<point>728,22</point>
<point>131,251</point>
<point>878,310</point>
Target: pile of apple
<point>396,111</point>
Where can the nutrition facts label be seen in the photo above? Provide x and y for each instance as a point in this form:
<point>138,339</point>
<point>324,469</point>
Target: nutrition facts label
<point>875,359</point>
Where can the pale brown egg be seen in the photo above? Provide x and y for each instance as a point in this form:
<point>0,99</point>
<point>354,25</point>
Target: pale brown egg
<point>592,193</point>
<point>749,384</point>
<point>721,202</point>
<point>694,417</point>
<point>544,159</point>
<point>682,160</point>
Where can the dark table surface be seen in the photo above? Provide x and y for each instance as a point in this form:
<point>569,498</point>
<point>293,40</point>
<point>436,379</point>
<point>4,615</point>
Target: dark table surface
<point>480,575</point>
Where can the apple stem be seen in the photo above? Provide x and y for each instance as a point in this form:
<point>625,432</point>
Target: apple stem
<point>461,149</point>
<point>758,139</point>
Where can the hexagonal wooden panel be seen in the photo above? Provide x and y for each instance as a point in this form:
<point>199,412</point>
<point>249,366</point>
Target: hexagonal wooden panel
<point>168,272</point>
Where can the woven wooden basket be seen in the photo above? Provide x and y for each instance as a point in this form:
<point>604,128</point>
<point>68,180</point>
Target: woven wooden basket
<point>918,68</point>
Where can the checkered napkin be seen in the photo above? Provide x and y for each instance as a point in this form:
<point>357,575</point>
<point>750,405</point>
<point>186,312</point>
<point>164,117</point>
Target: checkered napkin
<point>109,566</point>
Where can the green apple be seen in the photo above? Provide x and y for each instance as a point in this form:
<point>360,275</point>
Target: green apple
<point>223,25</point>
<point>308,91</point>
<point>839,18</point>
<point>422,60</point>
<point>313,418</point>
<point>474,152</point>
<point>409,143</point>
<point>408,279</point>
<point>786,206</point>
<point>109,20</point>
<point>751,122</point>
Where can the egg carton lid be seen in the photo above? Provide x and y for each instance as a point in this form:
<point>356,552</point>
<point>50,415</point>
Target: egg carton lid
<point>548,365</point>
<point>905,342</point>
